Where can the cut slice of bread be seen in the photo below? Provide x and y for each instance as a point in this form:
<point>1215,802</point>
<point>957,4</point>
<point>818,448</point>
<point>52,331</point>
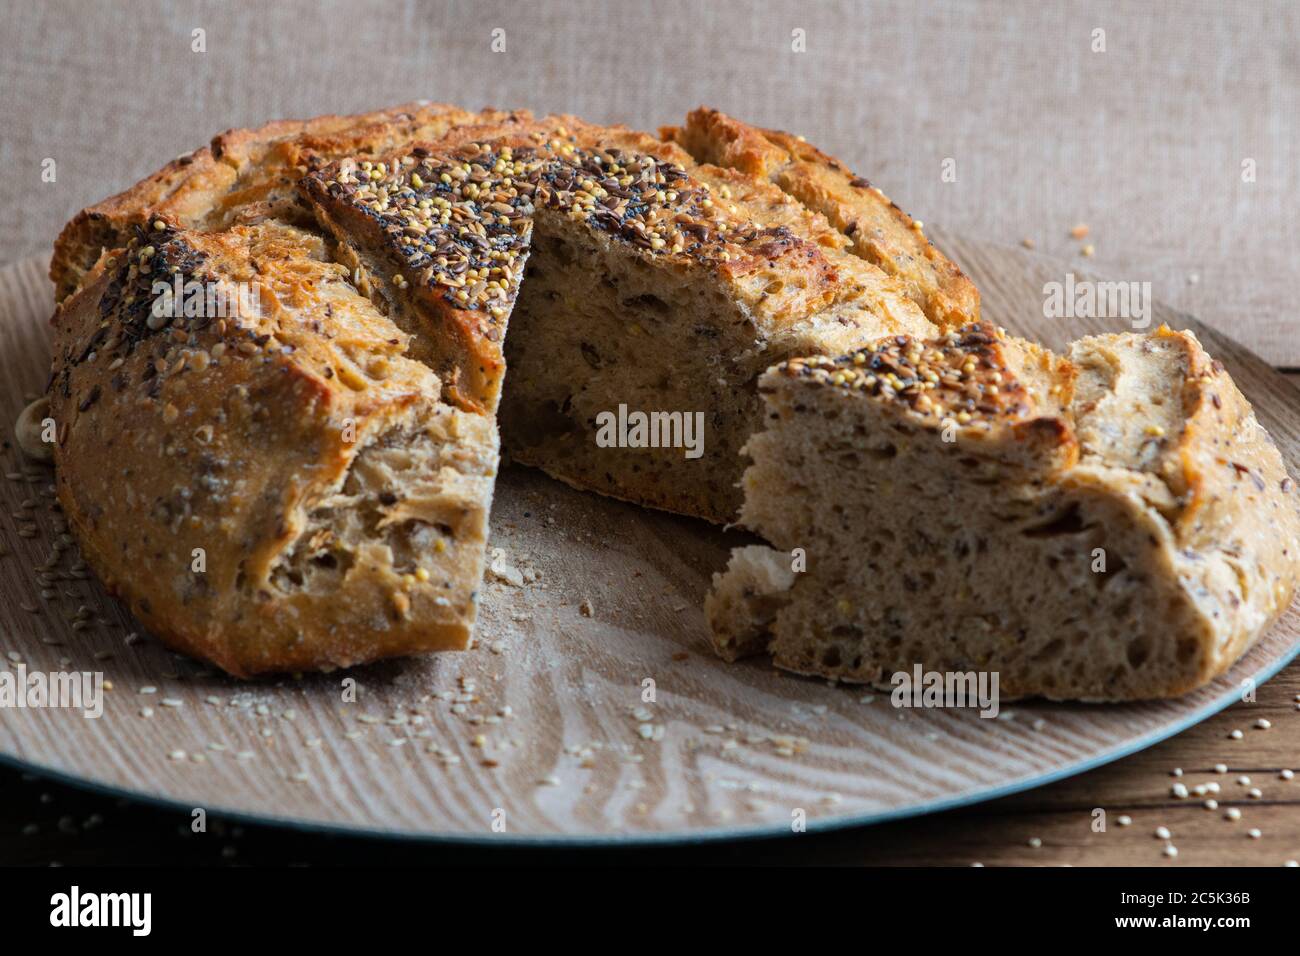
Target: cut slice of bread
<point>272,484</point>
<point>1113,526</point>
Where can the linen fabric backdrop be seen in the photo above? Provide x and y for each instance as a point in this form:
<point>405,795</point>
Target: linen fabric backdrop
<point>1169,129</point>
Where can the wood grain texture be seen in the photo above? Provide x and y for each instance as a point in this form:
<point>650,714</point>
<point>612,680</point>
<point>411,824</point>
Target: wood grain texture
<point>544,718</point>
<point>46,823</point>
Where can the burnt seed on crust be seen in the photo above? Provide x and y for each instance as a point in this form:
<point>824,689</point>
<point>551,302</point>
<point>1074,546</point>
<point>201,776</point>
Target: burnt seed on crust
<point>91,398</point>
<point>155,253</point>
<point>961,374</point>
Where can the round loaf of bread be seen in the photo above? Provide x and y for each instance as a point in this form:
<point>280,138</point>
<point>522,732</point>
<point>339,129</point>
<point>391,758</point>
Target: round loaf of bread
<point>279,360</point>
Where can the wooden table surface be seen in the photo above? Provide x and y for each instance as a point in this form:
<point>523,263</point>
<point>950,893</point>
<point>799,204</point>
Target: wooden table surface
<point>42,822</point>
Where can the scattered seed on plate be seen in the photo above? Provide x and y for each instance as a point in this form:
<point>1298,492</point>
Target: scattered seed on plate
<point>1162,833</point>
<point>1263,723</point>
<point>1232,813</point>
<point>1125,820</point>
<point>1236,735</point>
<point>1171,850</point>
<point>1220,768</point>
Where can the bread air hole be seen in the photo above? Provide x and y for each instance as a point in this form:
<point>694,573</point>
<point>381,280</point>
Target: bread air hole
<point>1138,651</point>
<point>1068,522</point>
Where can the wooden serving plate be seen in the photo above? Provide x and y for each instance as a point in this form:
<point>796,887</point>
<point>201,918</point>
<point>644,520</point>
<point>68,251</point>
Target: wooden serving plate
<point>540,732</point>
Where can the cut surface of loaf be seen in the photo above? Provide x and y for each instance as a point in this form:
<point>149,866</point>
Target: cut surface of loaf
<point>305,484</point>
<point>1111,526</point>
<point>669,299</point>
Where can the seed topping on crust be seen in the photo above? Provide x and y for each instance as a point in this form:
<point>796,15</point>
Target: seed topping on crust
<point>961,375</point>
<point>463,220</point>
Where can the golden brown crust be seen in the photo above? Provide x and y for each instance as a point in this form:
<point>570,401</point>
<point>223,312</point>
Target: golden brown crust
<point>241,168</point>
<point>194,455</point>
<point>879,230</point>
<point>1005,396</point>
